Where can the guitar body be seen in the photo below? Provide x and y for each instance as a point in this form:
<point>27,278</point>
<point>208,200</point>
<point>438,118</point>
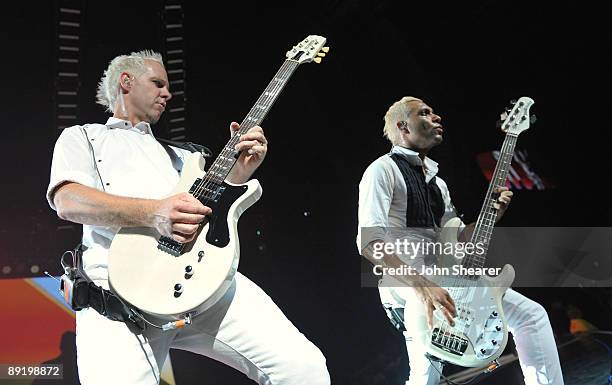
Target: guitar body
<point>480,333</point>
<point>145,275</point>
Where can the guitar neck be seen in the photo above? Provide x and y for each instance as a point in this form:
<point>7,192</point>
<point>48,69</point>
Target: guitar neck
<point>221,167</point>
<point>488,214</point>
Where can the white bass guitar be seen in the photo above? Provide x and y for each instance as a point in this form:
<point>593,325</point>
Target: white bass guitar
<point>480,334</point>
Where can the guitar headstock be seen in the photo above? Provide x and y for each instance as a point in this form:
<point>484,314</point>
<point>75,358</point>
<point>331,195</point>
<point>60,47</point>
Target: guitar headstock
<point>516,118</point>
<point>309,49</point>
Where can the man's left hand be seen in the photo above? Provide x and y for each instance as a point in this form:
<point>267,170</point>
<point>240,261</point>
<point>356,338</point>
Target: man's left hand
<point>505,196</point>
<point>253,147</point>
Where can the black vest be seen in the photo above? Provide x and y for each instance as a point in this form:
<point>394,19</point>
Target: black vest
<point>424,203</point>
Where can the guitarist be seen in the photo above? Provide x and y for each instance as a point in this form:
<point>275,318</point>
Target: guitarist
<point>112,175</point>
<point>401,189</point>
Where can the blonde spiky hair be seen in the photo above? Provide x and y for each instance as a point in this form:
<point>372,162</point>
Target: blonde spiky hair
<point>108,87</point>
<point>398,112</point>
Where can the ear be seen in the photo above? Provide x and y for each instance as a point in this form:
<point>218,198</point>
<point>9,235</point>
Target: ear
<point>402,125</point>
<point>125,82</point>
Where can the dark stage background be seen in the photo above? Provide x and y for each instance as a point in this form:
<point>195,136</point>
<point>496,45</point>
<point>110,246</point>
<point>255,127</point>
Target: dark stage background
<point>298,242</point>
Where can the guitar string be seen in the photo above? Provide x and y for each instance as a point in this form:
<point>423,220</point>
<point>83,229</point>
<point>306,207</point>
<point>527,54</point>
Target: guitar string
<point>211,177</point>
<point>491,214</point>
<point>250,121</point>
<point>203,189</point>
<point>488,216</point>
<point>204,186</point>
<point>485,211</point>
<point>457,289</point>
<point>460,285</point>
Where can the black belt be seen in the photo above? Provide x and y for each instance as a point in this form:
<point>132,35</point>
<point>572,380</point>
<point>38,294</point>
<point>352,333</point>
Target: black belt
<point>88,294</point>
<point>110,306</point>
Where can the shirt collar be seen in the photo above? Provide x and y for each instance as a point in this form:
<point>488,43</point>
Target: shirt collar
<point>431,166</point>
<point>142,127</point>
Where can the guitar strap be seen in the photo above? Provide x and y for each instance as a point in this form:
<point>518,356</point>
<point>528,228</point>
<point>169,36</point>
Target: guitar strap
<point>189,146</point>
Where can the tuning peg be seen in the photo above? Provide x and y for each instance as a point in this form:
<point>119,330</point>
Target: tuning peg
<point>317,60</point>
<point>325,49</point>
<point>321,54</point>
<point>513,101</point>
<point>532,119</point>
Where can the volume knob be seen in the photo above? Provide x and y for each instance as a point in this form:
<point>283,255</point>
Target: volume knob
<point>188,271</point>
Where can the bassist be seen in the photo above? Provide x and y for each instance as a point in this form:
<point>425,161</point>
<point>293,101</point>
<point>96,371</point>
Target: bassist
<point>401,190</point>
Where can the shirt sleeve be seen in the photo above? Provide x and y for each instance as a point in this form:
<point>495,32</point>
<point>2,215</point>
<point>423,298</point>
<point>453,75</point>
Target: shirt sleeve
<point>375,196</point>
<point>72,162</point>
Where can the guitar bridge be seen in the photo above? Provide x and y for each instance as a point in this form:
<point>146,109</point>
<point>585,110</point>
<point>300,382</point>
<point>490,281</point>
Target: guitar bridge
<point>170,246</point>
<point>449,342</point>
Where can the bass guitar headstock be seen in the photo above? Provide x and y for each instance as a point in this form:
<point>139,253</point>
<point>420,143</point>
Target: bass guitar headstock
<point>516,119</point>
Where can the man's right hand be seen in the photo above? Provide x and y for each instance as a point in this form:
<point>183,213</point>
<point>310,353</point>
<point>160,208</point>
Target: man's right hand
<point>179,217</point>
<point>434,297</point>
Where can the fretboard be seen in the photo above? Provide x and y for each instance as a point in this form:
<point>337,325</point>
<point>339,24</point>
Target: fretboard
<point>488,214</point>
<point>222,166</point>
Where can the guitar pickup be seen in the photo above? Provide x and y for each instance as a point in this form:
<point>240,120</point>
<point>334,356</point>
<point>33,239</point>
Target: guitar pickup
<point>170,246</point>
<point>207,192</point>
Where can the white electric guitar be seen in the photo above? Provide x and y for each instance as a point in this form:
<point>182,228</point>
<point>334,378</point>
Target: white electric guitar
<point>173,280</point>
<point>480,334</point>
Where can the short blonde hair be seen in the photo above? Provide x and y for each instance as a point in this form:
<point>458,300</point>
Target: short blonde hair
<point>398,112</point>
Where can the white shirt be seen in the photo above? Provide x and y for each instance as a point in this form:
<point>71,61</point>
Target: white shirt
<point>130,162</point>
<point>383,195</point>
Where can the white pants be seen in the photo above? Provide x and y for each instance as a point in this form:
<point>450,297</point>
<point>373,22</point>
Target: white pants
<point>244,329</point>
<point>527,321</point>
